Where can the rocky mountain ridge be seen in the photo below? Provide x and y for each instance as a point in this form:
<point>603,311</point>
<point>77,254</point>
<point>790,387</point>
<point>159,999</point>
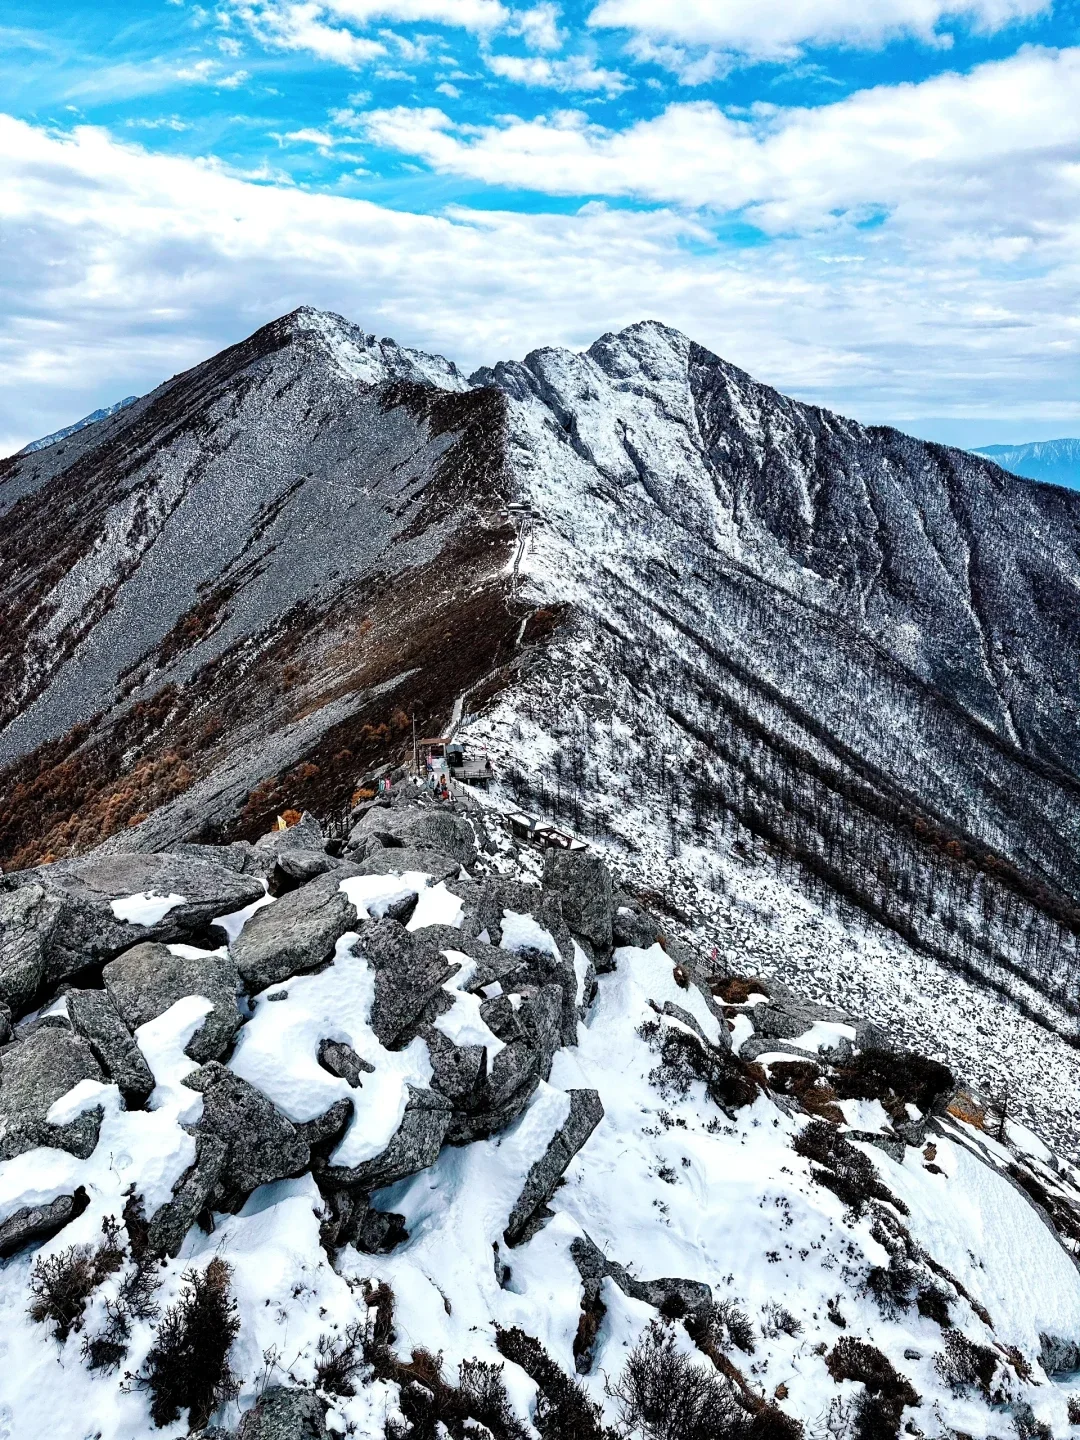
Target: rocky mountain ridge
<point>420,1132</point>
<point>819,670</point>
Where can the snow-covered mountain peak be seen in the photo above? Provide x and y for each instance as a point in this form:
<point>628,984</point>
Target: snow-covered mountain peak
<point>361,356</point>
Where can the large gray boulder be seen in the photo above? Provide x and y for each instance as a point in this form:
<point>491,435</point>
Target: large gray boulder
<point>40,1222</point>
<point>414,1146</point>
<point>191,1194</point>
<point>398,862</point>
<point>586,1112</point>
<point>281,1413</point>
<point>410,971</point>
<point>81,930</point>
<point>28,918</point>
<point>96,1019</point>
<point>146,980</point>
<point>306,834</point>
<point>37,1071</point>
<point>295,935</point>
<point>583,882</point>
<point>261,1144</point>
<point>417,827</point>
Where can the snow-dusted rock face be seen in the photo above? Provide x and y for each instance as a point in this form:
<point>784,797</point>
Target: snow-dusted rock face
<point>405,1203</point>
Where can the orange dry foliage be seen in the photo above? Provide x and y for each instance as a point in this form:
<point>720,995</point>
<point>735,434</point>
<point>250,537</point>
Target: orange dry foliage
<point>291,818</point>
<point>966,1108</point>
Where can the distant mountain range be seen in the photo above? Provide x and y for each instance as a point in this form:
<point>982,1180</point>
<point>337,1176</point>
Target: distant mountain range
<point>1055,461</point>
<point>91,419</point>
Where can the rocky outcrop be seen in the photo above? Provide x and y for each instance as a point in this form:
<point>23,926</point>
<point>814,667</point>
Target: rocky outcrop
<point>415,1145</point>
<point>35,1223</point>
<point>145,981</point>
<point>295,935</point>
<point>416,827</point>
<point>284,1414</point>
<point>190,1197</point>
<point>67,922</point>
<point>586,1112</point>
<point>28,917</point>
<point>583,883</point>
<point>36,1072</point>
<point>96,1019</point>
<point>261,1145</point>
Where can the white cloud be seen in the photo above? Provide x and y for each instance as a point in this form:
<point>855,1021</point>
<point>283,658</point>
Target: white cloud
<point>539,25</point>
<point>575,73</point>
<point>302,25</point>
<point>776,28</point>
<point>327,28</point>
<point>989,154</point>
<point>690,67</point>
<point>451,91</point>
<point>122,267</point>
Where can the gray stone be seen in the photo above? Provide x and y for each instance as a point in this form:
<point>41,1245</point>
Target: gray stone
<point>513,1078</point>
<point>458,1071</point>
<point>343,1061</point>
<point>295,935</point>
<point>40,1222</point>
<point>1058,1356</point>
<point>409,974</point>
<point>37,1071</point>
<point>399,862</point>
<point>86,932</point>
<point>327,1126</point>
<point>281,1413</point>
<point>146,980</point>
<point>414,1146</point>
<point>261,1144</point>
<point>634,927</point>
<point>417,827</point>
<point>586,1112</point>
<point>672,1295</point>
<point>297,867</point>
<point>584,885</point>
<point>306,834</point>
<point>171,1222</point>
<point>95,1018</point>
<point>540,1017</point>
<point>28,917</point>
<point>869,1036</point>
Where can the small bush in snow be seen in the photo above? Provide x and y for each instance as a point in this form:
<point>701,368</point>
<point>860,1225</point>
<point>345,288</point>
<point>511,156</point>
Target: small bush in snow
<point>61,1284</point>
<point>188,1364</point>
<point>721,1325</point>
<point>963,1364</point>
<point>340,1360</point>
<point>778,1321</point>
<point>878,1412</point>
<point>684,1059</point>
<point>847,1172</point>
<point>664,1394</point>
<point>896,1078</point>
<point>563,1408</point>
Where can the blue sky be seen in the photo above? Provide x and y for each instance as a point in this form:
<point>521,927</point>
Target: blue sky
<point>874,205</point>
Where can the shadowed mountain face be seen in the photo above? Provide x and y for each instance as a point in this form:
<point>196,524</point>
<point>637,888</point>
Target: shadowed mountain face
<point>233,595</point>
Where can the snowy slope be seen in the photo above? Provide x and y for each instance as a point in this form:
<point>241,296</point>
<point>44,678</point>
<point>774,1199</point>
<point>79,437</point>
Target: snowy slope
<point>786,1247</point>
